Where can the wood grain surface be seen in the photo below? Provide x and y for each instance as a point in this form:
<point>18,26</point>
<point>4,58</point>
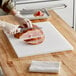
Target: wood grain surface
<point>14,66</point>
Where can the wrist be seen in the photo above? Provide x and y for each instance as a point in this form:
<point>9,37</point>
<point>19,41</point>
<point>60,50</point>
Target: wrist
<point>18,15</point>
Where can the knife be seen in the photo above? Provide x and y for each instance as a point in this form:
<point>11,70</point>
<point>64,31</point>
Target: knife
<point>25,29</point>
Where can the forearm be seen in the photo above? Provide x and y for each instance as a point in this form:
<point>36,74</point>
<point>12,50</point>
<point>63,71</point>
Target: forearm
<point>5,24</point>
<point>2,24</point>
<point>16,13</point>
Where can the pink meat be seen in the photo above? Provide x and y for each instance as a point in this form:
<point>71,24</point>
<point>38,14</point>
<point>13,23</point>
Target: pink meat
<point>31,36</point>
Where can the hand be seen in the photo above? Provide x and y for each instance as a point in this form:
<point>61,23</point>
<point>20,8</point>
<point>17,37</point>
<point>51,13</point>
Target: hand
<point>12,29</point>
<point>9,28</point>
<point>23,21</point>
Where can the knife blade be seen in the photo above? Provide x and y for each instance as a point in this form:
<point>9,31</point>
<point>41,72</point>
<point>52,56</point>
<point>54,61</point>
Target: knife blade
<point>25,29</point>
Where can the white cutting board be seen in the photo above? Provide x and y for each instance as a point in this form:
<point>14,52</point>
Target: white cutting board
<point>54,42</point>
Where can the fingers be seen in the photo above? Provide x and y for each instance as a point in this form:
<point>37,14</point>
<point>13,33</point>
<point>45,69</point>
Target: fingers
<point>28,22</point>
<point>13,29</point>
<point>23,20</point>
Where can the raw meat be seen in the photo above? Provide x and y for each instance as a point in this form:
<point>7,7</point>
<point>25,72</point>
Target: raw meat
<point>31,36</point>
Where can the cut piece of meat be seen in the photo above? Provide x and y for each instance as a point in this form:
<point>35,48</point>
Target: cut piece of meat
<point>31,36</point>
<point>38,13</point>
<point>35,41</point>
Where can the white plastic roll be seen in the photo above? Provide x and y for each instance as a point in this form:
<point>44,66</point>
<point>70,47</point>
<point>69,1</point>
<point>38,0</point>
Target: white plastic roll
<point>45,66</point>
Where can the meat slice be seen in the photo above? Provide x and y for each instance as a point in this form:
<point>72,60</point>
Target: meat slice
<point>31,36</point>
<point>38,13</point>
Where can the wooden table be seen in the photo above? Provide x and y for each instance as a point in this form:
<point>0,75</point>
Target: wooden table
<point>14,66</point>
